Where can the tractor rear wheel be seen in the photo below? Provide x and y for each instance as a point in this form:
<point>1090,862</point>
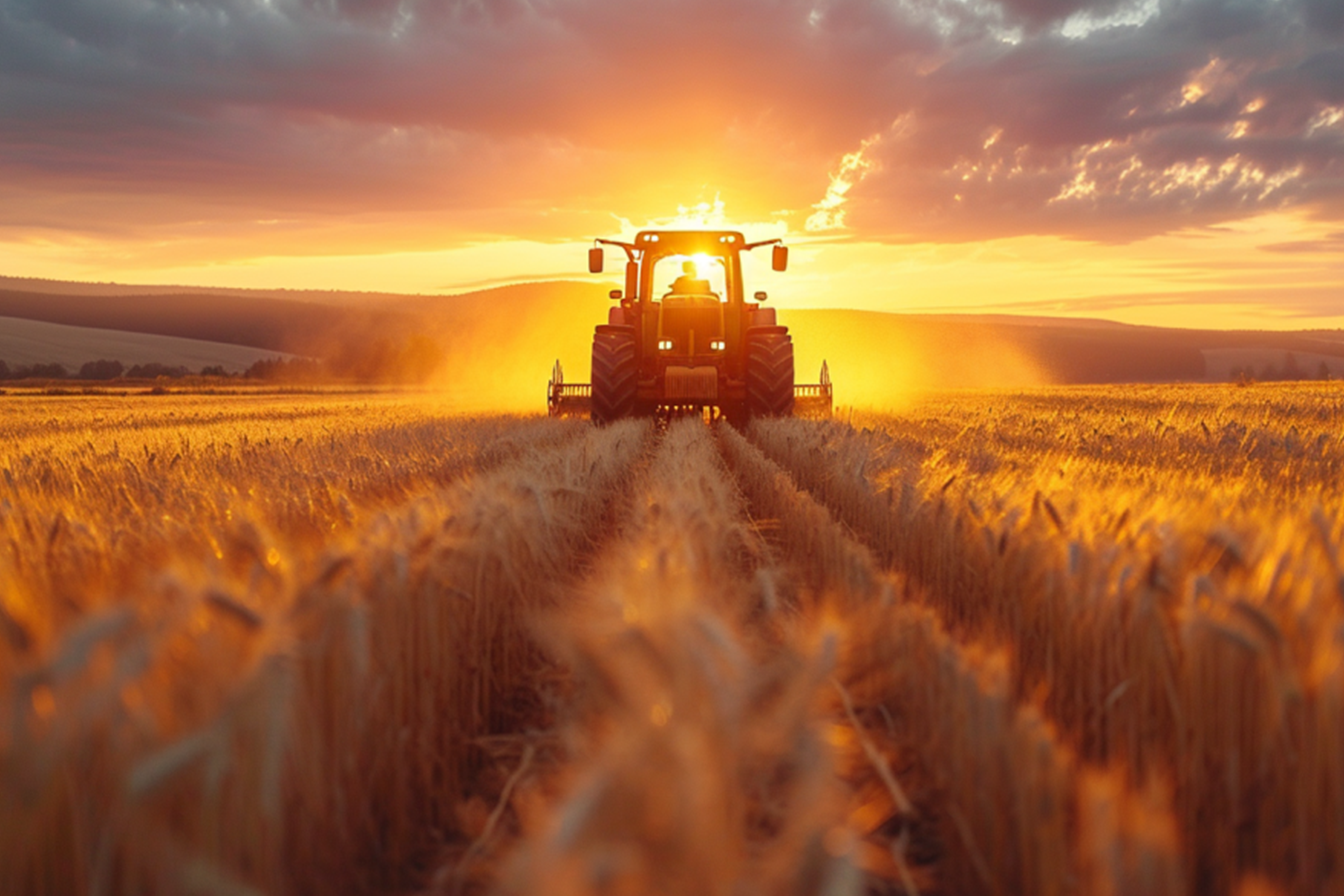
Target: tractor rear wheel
<point>615,373</point>
<point>769,372</point>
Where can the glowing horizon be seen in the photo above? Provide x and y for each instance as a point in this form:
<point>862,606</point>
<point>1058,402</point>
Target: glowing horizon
<point>1168,280</point>
<point>1150,163</point>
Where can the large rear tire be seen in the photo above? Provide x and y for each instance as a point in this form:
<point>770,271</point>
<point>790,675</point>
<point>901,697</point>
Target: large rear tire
<point>769,372</point>
<point>615,373</point>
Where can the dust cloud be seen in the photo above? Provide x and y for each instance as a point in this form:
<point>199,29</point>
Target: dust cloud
<point>887,361</point>
<point>497,350</point>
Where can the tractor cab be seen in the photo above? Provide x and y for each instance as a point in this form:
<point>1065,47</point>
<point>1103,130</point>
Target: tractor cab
<point>688,298</point>
<point>691,311</point>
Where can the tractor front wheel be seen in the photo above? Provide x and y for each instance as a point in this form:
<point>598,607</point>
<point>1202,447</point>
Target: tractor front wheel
<point>769,372</point>
<point>615,373</point>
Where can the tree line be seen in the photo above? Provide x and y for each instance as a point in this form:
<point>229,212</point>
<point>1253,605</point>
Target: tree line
<point>379,360</point>
<point>1270,372</point>
<point>104,370</point>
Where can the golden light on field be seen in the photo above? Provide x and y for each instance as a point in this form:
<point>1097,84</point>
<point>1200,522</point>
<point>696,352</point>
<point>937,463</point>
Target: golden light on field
<point>1101,614</point>
<point>368,621</point>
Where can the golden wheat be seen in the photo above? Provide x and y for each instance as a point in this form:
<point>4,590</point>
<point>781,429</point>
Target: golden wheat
<point>1175,605</point>
<point>1077,641</point>
<point>950,704</point>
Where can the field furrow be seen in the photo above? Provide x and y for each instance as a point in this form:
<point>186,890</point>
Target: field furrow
<point>995,793</point>
<point>1174,624</point>
<point>446,600</point>
<point>299,713</point>
<point>698,761</point>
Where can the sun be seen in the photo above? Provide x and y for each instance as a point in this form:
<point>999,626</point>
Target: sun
<point>704,265</point>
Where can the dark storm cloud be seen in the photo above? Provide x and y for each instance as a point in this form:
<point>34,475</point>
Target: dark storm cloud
<point>1103,119</point>
<point>1325,15</point>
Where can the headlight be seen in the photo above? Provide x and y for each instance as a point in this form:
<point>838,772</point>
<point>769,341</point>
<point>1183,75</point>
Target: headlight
<point>716,345</point>
<point>665,345</point>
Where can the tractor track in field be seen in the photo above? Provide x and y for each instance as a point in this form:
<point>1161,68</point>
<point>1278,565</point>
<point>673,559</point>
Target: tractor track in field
<point>1094,631</point>
<point>707,744</point>
<point>686,713</point>
<point>749,699</point>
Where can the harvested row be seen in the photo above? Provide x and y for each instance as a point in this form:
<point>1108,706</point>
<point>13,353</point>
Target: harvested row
<point>1203,652</point>
<point>697,761</point>
<point>452,592</point>
<point>1003,792</point>
<point>309,724</point>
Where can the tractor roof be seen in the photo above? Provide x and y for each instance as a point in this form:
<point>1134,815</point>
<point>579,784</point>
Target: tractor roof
<point>690,242</point>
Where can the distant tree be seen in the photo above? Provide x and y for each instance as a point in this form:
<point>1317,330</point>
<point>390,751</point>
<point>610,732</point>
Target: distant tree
<point>264,369</point>
<point>48,372</point>
<point>1322,372</point>
<point>1269,373</point>
<point>294,370</point>
<point>1290,369</point>
<point>101,370</point>
<point>154,370</point>
<point>4,371</point>
<point>214,370</point>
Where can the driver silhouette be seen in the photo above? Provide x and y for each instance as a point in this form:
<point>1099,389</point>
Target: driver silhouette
<point>689,283</point>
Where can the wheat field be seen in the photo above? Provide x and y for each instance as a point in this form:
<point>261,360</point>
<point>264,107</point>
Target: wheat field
<point>1059,641</point>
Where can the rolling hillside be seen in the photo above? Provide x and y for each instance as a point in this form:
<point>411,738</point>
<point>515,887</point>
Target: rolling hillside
<point>875,357</point>
<point>28,342</point>
<point>497,345</point>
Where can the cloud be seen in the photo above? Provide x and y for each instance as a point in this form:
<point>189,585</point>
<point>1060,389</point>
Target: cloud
<point>854,167</point>
<point>1330,244</point>
<point>1096,119</point>
<point>1202,112</point>
<point>1285,303</point>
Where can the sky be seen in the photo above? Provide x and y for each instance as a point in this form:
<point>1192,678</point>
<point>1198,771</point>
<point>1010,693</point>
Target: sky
<point>1174,162</point>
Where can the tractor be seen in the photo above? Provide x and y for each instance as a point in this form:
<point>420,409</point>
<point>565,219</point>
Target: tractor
<point>692,344</point>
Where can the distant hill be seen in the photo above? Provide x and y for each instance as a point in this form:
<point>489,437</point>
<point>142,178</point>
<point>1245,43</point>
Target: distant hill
<point>261,322</point>
<point>27,342</point>
<point>874,356</point>
<point>494,348</point>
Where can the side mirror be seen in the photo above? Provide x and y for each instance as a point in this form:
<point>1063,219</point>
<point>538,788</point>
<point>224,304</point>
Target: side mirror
<point>760,295</point>
<point>779,258</point>
<point>614,294</point>
<point>595,260</point>
<point>631,279</point>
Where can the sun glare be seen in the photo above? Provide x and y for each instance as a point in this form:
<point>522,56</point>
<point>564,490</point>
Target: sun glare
<point>704,265</point>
